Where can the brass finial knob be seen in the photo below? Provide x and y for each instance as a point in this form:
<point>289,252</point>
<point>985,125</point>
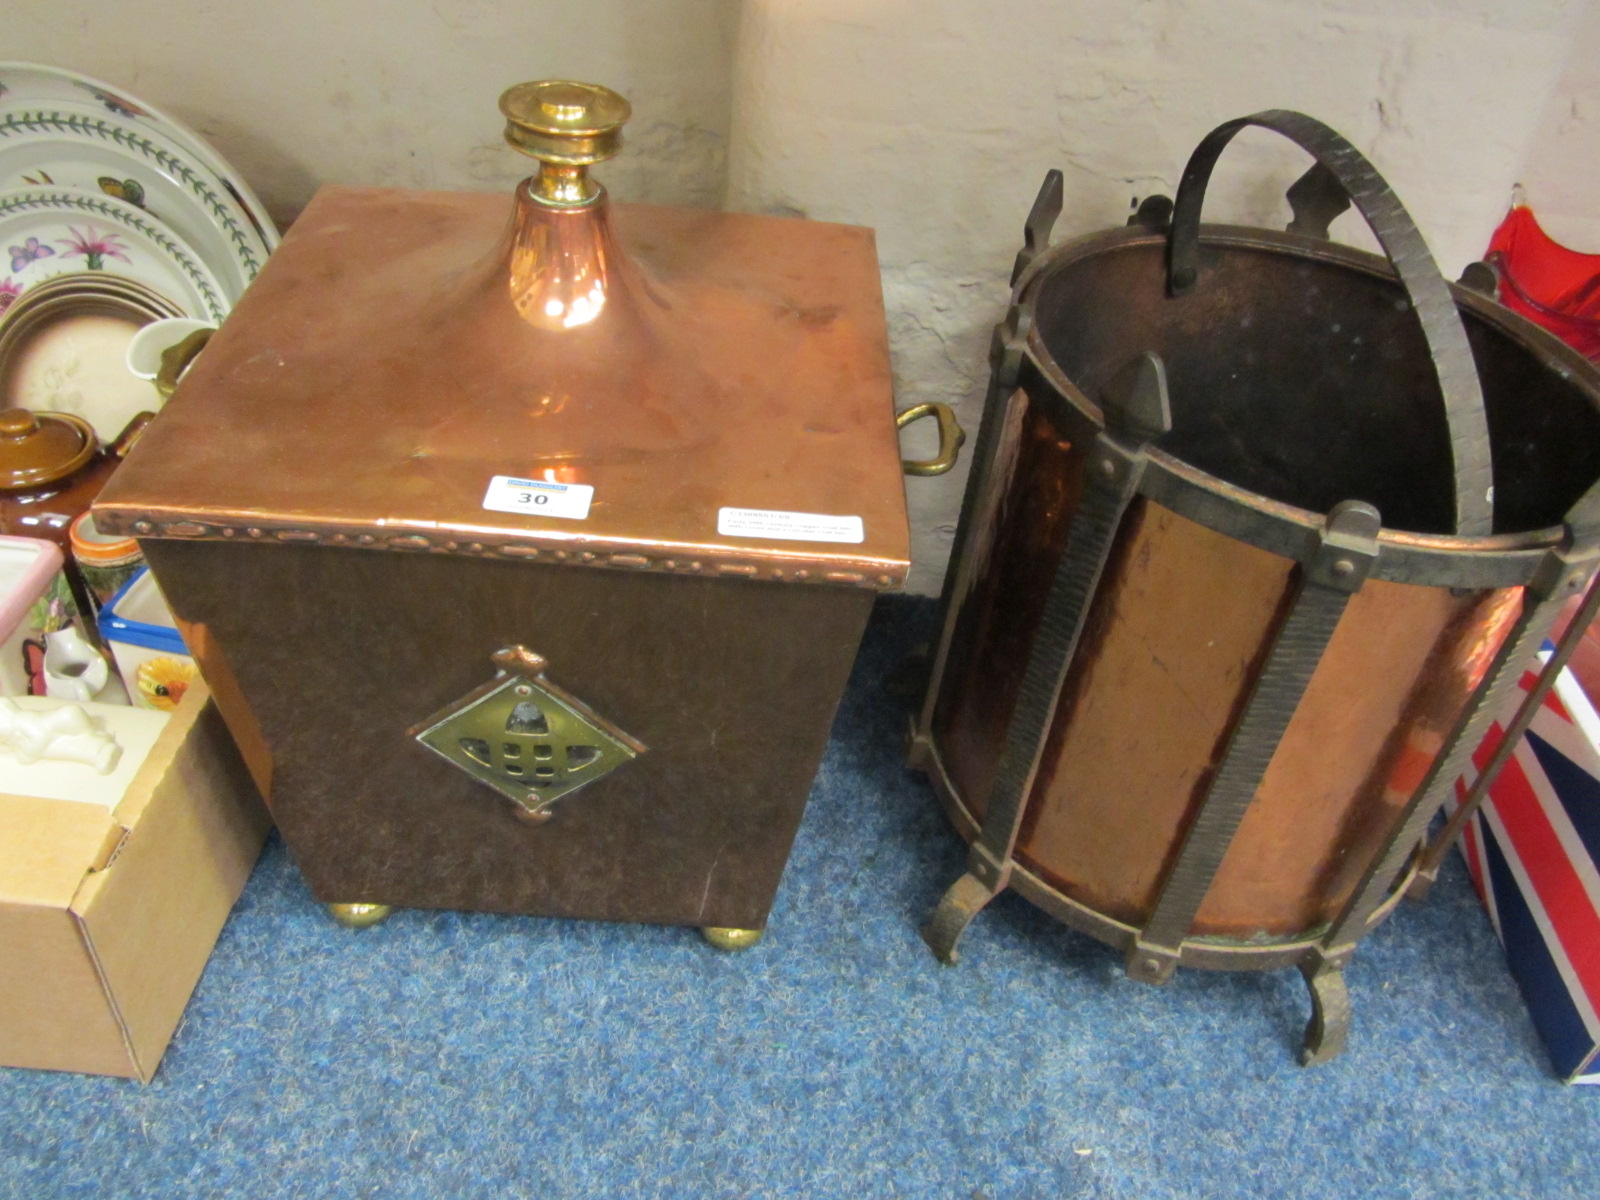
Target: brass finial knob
<point>567,126</point>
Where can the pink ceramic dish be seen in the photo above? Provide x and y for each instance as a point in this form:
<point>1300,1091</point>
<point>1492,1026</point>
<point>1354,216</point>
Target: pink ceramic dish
<point>34,601</point>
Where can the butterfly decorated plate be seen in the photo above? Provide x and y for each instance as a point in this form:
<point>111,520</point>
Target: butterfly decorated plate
<point>59,131</point>
<point>45,232</point>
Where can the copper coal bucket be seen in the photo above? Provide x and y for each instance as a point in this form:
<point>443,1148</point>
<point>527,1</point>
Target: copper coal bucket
<point>1232,598</point>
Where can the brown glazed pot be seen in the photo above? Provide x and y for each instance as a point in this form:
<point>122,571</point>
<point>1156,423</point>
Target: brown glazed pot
<point>51,468</point>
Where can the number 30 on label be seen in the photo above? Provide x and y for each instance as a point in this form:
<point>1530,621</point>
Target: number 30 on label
<point>538,497</point>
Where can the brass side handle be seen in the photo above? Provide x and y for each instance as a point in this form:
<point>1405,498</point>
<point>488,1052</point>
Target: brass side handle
<point>176,359</point>
<point>951,438</point>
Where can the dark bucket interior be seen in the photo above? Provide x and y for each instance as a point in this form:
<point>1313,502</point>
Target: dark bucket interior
<point>1309,382</point>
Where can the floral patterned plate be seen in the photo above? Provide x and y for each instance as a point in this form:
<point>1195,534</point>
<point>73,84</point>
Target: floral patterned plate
<point>62,130</point>
<point>45,232</point>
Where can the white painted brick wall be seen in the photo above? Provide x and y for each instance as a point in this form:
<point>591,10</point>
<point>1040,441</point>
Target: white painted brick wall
<point>931,120</point>
<point>935,120</point>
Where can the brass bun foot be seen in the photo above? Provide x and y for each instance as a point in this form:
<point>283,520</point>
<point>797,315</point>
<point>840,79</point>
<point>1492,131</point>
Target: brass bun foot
<point>358,916</point>
<point>724,938</point>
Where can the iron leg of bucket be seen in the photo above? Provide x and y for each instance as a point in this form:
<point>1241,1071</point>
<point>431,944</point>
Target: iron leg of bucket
<point>964,900</point>
<point>1422,883</point>
<point>1330,1013</point>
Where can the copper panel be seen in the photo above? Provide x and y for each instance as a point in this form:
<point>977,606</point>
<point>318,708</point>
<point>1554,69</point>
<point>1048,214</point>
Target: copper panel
<point>1174,637</point>
<point>1018,536</point>
<point>731,684</point>
<point>380,371</point>
<point>1394,679</point>
<point>235,709</point>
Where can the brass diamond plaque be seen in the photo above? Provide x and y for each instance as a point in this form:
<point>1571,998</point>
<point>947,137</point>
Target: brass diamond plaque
<point>526,738</point>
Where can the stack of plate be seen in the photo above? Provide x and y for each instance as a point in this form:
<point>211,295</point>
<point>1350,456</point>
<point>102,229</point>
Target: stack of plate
<point>100,191</point>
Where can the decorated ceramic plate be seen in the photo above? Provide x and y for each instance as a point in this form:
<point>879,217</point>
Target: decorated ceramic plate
<point>66,131</point>
<point>46,232</point>
<point>80,274</point>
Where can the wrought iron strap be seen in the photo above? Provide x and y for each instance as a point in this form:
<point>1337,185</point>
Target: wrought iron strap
<point>1341,563</point>
<point>1137,411</point>
<point>1005,361</point>
<point>1295,654</point>
<point>1510,738</point>
<point>1089,542</point>
<point>1426,289</point>
<point>1503,676</point>
<point>1564,573</point>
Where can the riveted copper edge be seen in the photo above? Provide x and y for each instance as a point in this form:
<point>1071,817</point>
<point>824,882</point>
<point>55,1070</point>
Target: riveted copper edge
<point>670,560</point>
<point>737,360</point>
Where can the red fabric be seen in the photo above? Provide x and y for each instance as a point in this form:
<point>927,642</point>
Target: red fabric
<point>1549,284</point>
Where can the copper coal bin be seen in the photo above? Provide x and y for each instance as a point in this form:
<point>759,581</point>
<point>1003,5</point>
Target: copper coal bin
<point>1232,599</point>
<point>526,543</point>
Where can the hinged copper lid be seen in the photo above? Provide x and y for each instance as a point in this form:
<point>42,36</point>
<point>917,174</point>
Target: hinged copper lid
<point>653,368</point>
<point>40,448</point>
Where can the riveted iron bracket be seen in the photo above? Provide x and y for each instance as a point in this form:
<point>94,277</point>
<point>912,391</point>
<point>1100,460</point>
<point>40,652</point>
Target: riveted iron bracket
<point>1341,562</point>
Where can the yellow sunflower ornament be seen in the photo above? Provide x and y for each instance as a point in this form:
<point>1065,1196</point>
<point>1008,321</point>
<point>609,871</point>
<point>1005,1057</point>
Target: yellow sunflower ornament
<point>163,681</point>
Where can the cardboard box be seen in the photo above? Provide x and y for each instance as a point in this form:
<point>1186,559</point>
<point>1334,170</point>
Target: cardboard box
<point>107,915</point>
<point>1532,851</point>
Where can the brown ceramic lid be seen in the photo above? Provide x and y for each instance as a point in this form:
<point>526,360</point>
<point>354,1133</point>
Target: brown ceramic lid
<point>38,448</point>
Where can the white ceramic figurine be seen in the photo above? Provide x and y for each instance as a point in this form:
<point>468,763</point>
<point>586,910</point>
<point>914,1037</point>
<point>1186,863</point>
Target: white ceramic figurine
<point>64,734</point>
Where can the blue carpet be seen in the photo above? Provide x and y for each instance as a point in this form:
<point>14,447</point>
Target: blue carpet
<point>453,1055</point>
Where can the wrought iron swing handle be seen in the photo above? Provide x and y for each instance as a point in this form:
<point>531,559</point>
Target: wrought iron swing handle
<point>1419,276</point>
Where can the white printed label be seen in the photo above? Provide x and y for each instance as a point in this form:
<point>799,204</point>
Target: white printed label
<point>788,526</point>
<point>538,497</point>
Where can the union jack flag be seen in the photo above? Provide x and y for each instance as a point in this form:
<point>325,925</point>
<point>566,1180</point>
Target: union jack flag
<point>1532,851</point>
